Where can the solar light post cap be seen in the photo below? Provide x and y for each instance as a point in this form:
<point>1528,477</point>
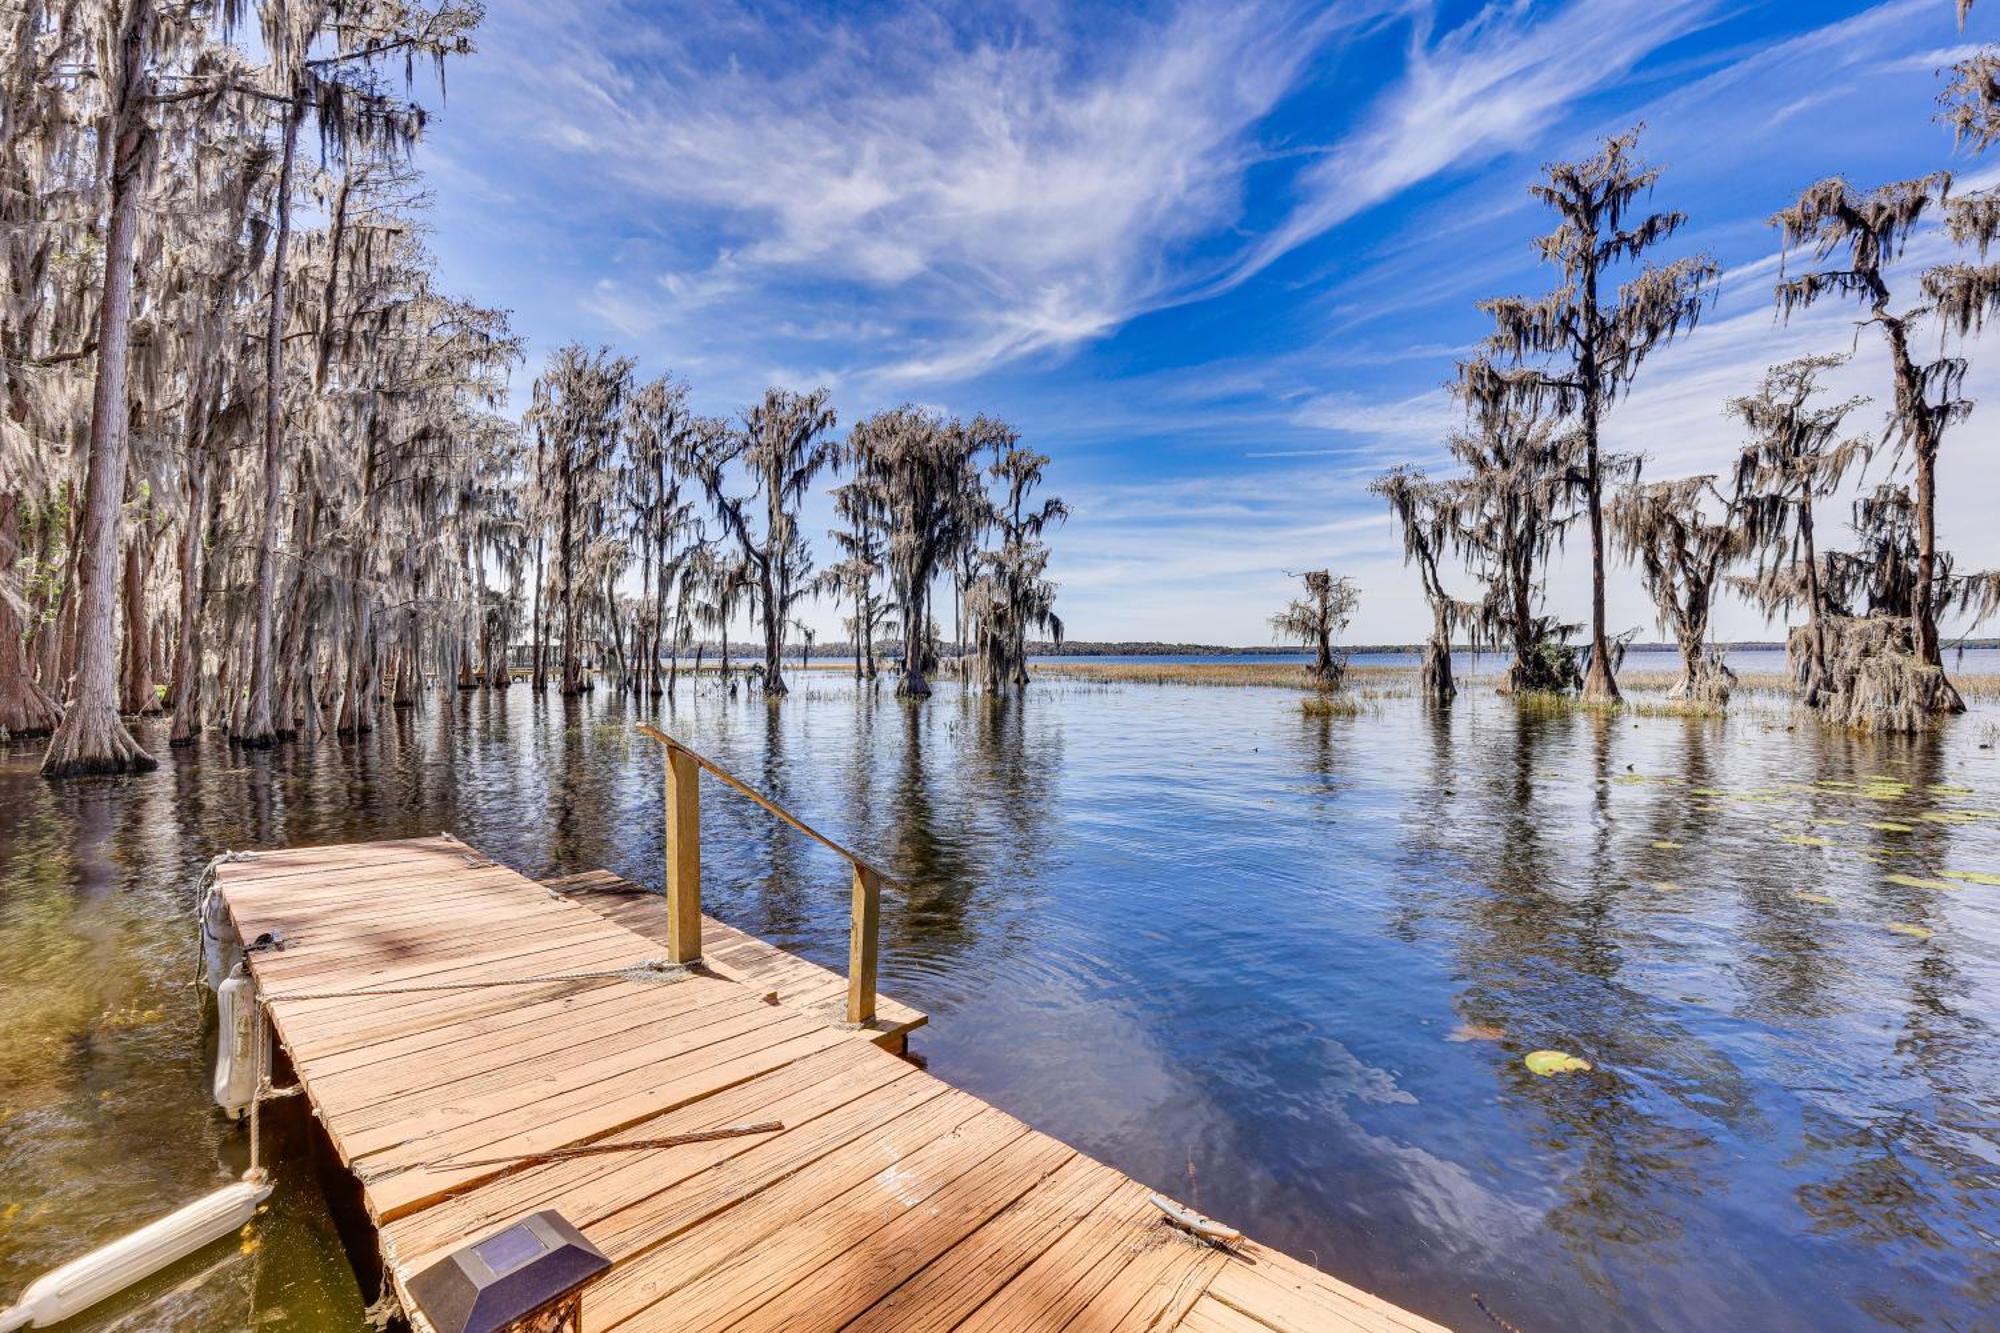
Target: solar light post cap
<point>527,1276</point>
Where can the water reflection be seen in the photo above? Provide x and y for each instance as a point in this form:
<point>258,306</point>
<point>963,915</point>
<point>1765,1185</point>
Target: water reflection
<point>1286,965</point>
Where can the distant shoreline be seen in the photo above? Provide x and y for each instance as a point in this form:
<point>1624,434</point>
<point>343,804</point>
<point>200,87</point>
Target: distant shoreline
<point>1149,648</point>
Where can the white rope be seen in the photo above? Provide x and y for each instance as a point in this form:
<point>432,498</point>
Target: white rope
<point>260,1041</point>
<point>204,889</point>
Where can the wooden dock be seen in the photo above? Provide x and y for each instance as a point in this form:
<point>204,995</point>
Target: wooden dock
<point>429,1003</point>
<point>740,956</point>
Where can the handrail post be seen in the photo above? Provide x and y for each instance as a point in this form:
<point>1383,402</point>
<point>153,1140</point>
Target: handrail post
<point>683,792</point>
<point>861,945</point>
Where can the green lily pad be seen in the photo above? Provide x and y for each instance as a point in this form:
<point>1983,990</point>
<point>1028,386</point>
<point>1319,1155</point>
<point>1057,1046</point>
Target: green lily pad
<point>1886,826</point>
<point>1546,1063</point>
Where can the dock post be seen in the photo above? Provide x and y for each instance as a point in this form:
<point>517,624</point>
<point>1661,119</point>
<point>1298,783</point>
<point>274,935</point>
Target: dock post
<point>867,913</point>
<point>683,857</point>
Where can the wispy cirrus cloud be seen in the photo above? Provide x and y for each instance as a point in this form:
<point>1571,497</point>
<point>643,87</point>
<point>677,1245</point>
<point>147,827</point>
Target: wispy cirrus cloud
<point>1009,185</point>
<point>1014,188</point>
<point>1485,87</point>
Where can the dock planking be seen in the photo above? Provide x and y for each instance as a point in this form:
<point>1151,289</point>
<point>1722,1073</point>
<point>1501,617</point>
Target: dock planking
<point>887,1200</point>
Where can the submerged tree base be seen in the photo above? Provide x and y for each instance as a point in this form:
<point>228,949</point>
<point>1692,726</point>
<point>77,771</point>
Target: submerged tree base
<point>1435,680</point>
<point>26,710</point>
<point>1705,682</point>
<point>1873,681</point>
<point>1545,666</point>
<point>94,740</point>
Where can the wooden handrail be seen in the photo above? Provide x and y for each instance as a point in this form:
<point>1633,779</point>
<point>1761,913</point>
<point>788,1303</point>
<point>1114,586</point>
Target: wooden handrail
<point>683,833</point>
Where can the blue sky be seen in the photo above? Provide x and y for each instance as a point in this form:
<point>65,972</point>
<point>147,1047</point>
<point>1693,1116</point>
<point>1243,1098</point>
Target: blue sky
<point>1216,261</point>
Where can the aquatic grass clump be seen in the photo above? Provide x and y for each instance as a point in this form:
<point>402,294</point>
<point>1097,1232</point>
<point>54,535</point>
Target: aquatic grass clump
<point>1330,703</point>
<point>1702,708</point>
<point>1280,675</point>
<point>1544,703</point>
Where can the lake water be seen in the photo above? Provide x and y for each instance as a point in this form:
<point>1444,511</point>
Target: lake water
<point>1284,966</point>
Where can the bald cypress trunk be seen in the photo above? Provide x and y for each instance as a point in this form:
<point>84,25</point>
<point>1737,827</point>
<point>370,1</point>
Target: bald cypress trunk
<point>91,737</point>
<point>259,725</point>
<point>25,708</point>
<point>140,695</point>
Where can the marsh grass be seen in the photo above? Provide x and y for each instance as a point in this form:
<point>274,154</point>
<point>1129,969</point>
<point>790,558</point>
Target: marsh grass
<point>1336,703</point>
<point>1645,689</point>
<point>1283,675</point>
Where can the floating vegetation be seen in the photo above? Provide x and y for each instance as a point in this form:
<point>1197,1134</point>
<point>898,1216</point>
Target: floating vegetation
<point>1973,877</point>
<point>1947,789</point>
<point>1913,931</point>
<point>1706,791</point>
<point>1817,899</point>
<point>1917,882</point>
<point>1546,1063</point>
<point>1666,845</point>
<point>129,1016</point>
<point>1888,826</point>
<point>1663,886</point>
<point>1806,840</point>
<point>1949,817</point>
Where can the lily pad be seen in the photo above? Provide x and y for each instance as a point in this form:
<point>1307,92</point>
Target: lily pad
<point>1886,826</point>
<point>1914,932</point>
<point>1546,1063</point>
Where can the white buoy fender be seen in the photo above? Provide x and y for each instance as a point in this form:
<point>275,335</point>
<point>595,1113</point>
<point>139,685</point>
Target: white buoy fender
<point>235,1043</point>
<point>221,946</point>
<point>84,1282</point>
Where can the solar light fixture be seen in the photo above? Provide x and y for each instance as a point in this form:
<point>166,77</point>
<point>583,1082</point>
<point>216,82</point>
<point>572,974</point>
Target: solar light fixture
<point>527,1277</point>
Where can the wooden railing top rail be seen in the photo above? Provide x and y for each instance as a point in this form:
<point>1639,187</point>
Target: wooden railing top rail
<point>787,816</point>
